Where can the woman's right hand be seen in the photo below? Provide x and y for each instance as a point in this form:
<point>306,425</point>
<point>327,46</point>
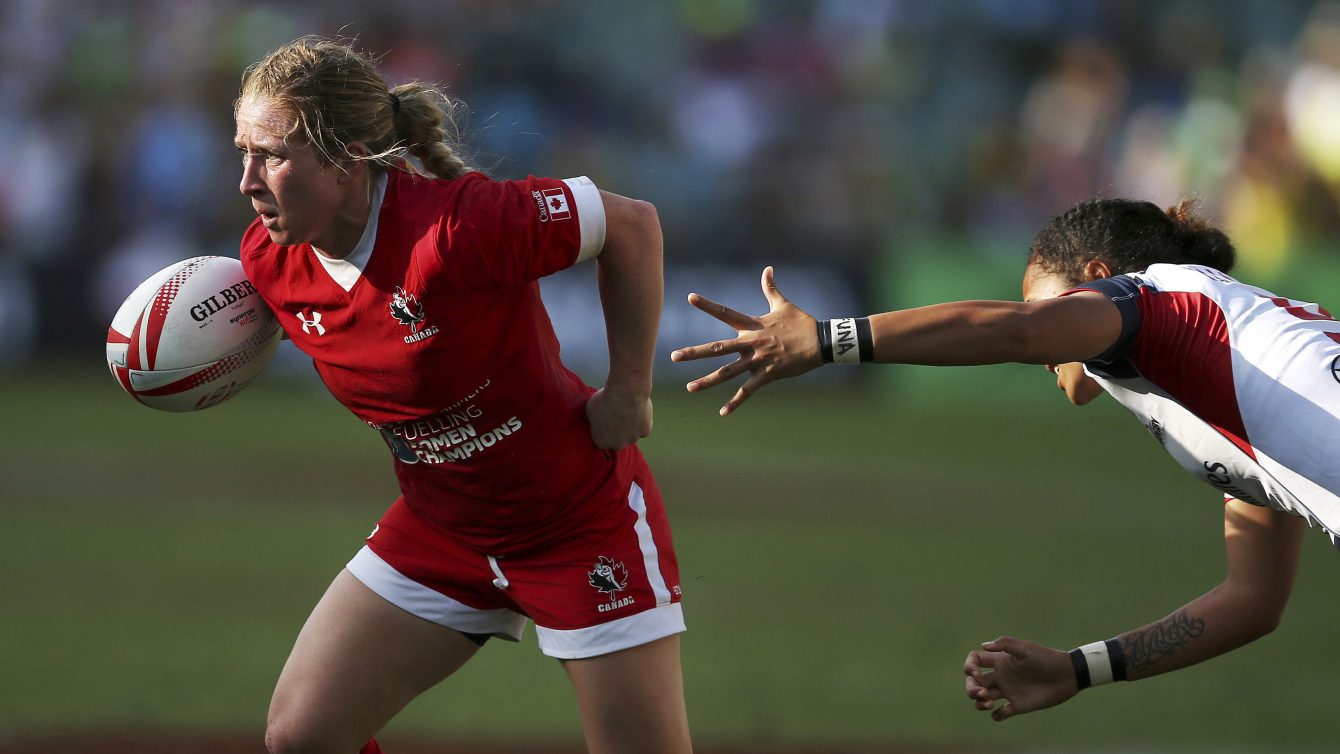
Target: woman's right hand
<point>1025,674</point>
<point>782,343</point>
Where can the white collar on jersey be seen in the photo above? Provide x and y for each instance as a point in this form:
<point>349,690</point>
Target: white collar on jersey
<point>348,270</point>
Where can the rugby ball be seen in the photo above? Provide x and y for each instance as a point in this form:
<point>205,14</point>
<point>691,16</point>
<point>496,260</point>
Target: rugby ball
<point>191,336</point>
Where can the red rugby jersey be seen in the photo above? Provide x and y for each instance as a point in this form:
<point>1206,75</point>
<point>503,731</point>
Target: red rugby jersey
<point>433,332</point>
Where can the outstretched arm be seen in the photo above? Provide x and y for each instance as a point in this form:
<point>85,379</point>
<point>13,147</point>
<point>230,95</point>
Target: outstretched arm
<point>785,342</point>
<point>631,283</point>
<point>1263,549</point>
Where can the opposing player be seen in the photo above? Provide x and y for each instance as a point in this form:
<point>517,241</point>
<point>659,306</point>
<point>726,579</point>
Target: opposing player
<point>1238,384</point>
<point>414,291</point>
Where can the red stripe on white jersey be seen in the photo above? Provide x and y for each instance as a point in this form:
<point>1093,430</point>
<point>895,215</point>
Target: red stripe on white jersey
<point>1192,364</point>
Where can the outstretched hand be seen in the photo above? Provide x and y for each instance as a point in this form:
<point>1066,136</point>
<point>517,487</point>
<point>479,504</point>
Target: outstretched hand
<point>781,343</point>
<point>1026,675</point>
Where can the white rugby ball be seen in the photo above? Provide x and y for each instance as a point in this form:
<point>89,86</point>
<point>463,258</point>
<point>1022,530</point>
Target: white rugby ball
<point>191,336</point>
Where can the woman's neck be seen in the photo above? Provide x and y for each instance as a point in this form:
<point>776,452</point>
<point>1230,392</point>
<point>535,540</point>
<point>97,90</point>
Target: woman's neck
<point>349,223</point>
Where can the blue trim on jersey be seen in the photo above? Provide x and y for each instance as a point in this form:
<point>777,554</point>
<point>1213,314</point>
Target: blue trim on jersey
<point>1124,291</point>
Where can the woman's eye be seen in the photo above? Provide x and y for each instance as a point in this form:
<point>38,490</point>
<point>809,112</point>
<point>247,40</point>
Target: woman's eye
<point>271,160</point>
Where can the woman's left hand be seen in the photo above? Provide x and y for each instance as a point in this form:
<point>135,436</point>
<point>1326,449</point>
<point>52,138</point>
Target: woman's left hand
<point>782,343</point>
<point>618,418</point>
<point>1026,675</point>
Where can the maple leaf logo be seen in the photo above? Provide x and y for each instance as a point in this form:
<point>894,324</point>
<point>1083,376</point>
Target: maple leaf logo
<point>609,576</point>
<point>406,309</point>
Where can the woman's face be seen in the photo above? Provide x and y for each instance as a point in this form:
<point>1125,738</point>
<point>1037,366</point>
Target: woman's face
<point>1079,387</point>
<point>296,196</point>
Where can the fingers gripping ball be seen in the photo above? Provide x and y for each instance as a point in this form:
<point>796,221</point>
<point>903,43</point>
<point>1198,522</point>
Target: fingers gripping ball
<point>191,336</point>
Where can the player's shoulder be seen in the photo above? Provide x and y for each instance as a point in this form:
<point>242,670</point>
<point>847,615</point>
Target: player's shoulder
<point>255,242</point>
<point>1187,276</point>
<point>417,194</point>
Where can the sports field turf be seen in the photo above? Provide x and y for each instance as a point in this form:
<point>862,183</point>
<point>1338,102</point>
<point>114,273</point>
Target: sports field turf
<point>839,557</point>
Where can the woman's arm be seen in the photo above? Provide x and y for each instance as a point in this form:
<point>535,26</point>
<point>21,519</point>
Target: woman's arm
<point>1263,549</point>
<point>784,342</point>
<point>1052,331</point>
<point>631,281</point>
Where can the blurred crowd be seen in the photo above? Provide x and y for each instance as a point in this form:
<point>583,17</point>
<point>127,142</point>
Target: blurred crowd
<point>834,132</point>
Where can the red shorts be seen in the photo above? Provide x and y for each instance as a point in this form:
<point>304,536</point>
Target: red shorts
<point>610,585</point>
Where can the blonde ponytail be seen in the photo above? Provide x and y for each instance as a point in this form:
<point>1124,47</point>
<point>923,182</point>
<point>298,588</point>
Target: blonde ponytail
<point>425,125</point>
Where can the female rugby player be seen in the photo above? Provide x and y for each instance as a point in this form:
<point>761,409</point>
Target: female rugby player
<point>1238,384</point>
<point>413,289</point>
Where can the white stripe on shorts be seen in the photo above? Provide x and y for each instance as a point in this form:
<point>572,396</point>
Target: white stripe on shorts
<point>651,560</point>
<point>602,639</point>
<point>431,605</point>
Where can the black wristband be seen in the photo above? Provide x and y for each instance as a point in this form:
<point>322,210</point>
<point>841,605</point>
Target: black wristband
<point>1081,668</point>
<point>825,341</point>
<point>865,339</point>
<point>1118,657</point>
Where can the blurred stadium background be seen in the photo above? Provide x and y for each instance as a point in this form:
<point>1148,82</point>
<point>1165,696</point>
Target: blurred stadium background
<point>844,540</point>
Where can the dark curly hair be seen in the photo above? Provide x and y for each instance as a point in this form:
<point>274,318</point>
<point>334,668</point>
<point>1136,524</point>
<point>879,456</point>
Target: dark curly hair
<point>1129,236</point>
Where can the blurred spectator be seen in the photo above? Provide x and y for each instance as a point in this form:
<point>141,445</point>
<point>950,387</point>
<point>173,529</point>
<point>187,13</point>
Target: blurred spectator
<point>829,134</point>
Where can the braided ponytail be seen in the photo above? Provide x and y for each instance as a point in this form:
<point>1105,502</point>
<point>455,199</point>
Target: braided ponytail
<point>425,126</point>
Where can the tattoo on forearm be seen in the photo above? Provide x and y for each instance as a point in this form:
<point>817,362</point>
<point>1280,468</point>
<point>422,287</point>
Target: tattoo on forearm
<point>1147,647</point>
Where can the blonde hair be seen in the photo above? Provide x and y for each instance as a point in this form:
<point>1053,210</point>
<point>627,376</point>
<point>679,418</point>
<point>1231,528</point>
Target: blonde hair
<point>337,97</point>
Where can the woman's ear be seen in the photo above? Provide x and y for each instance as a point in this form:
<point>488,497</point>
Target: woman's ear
<point>351,164</point>
<point>1096,269</point>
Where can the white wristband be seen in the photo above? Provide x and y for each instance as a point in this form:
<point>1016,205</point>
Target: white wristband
<point>842,334</point>
<point>1100,664</point>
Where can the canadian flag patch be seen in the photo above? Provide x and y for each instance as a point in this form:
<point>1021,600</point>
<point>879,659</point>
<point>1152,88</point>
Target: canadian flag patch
<point>557,203</point>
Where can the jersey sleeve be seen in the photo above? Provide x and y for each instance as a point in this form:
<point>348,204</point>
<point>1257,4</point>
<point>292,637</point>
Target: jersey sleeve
<point>510,232</point>
<point>1124,291</point>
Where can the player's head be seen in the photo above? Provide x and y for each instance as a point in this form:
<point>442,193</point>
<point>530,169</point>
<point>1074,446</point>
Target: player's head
<point>1103,237</point>
<point>1126,236</point>
<point>335,98</point>
<point>314,117</point>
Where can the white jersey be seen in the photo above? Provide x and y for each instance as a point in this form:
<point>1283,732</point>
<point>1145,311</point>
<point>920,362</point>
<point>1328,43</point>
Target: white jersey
<point>1240,386</point>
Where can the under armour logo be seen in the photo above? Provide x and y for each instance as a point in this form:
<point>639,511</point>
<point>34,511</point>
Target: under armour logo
<point>313,323</point>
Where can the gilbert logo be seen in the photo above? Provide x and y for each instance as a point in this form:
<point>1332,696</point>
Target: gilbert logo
<point>311,322</point>
<point>226,297</point>
<point>407,310</point>
<point>610,577</point>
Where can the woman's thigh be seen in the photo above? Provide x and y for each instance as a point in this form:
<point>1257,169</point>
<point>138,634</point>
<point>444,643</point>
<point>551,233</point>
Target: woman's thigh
<point>633,700</point>
<point>357,662</point>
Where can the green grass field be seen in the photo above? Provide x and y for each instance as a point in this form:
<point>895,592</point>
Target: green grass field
<point>840,556</point>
